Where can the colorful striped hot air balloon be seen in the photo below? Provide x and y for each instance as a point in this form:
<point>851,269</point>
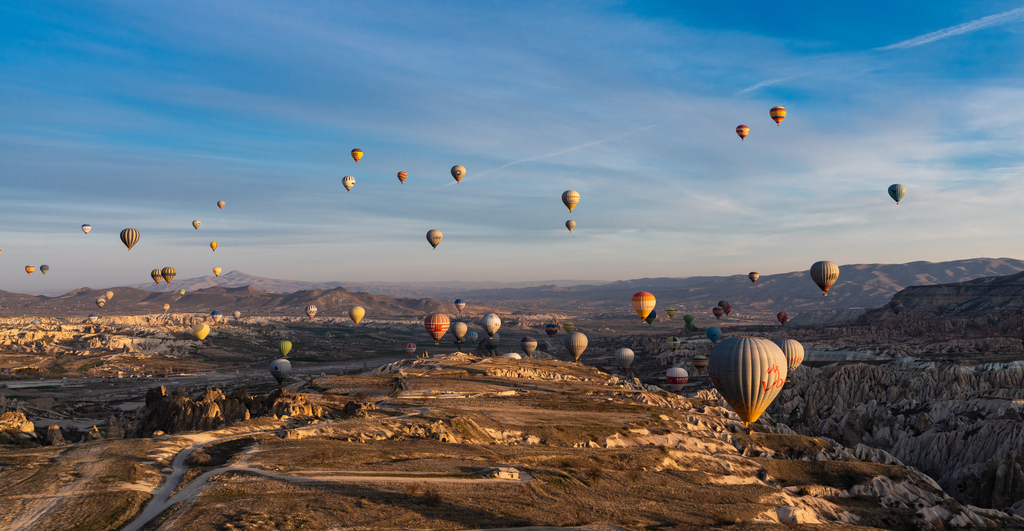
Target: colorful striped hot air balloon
<point>778,113</point>
<point>434,237</point>
<point>671,312</point>
<point>551,330</point>
<point>700,361</point>
<point>348,182</point>
<point>824,274</point>
<point>410,348</point>
<point>570,198</point>
<point>794,353</point>
<point>402,176</point>
<point>460,304</point>
<point>897,191</point>
<point>168,274</point>
<point>753,276</point>
<point>651,317</point>
<point>643,303</point>
<point>436,324</point>
<point>357,154</point>
<point>155,274</point>
<point>672,342</point>
<point>129,237</point>
<point>458,172</point>
<point>217,315</point>
<point>569,327</point>
<point>743,131</point>
<point>749,372</point>
<point>576,343</point>
<point>718,311</point>
<point>30,269</point>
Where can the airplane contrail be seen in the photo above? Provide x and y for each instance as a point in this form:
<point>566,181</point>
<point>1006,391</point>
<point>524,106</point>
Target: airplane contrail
<point>768,83</point>
<point>562,152</point>
<point>952,31</point>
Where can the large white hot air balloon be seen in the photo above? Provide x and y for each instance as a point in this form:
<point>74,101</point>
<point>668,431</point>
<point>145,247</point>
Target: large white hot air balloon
<point>348,182</point>
<point>749,372</point>
<point>280,368</point>
<point>794,353</point>
<point>491,323</point>
<point>677,378</point>
<point>624,357</point>
<point>576,343</point>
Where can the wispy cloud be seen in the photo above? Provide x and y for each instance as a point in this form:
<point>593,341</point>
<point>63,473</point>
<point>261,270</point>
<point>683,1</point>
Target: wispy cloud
<point>561,152</point>
<point>768,83</point>
<point>960,29</point>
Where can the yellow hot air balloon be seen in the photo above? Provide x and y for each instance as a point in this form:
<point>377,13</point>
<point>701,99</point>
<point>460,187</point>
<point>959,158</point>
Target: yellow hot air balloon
<point>220,204</point>
<point>109,295</point>
<point>434,237</point>
<point>643,303</point>
<point>356,314</point>
<point>30,268</point>
<point>196,224</point>
<point>216,271</point>
<point>357,154</point>
<point>167,307</point>
<point>778,113</point>
<point>570,198</point>
<point>200,330</point>
<point>213,245</point>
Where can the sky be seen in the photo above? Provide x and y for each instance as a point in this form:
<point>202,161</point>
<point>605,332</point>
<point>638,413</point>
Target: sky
<point>144,115</point>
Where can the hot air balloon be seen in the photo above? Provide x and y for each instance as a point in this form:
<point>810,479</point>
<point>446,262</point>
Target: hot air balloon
<point>200,330</point>
<point>714,334</point>
<point>436,324</point>
<point>782,317</point>
<point>86,228</point>
<point>237,314</point>
<point>357,154</point>
<point>216,315</point>
<point>576,343</point>
<point>284,347</point>
<point>109,295</point>
<point>181,291</point>
<point>528,344</point>
<point>472,337</point>
<point>624,357</point>
<point>743,131</point>
<point>728,308</point>
<point>570,225</point>
<point>348,182</point>
<point>166,307</point>
<point>458,171</point>
<point>129,237</point>
<point>459,330</point>
<point>651,317</point>
<point>434,237</point>
<point>280,368</point>
<point>402,176</point>
<point>671,312</point>
<point>311,312</point>
<point>213,245</point>
<point>155,274</point>
<point>491,343</point>
<point>551,330</point>
<point>356,313</point>
<point>672,342</point>
<point>824,274</point>
<point>677,378</point>
<point>794,353</point>
<point>460,304</point>
<point>100,302</point>
<point>700,361</point>
<point>897,191</point>
<point>220,204</point>
<point>196,224</point>
<point>93,318</point>
<point>512,356</point>
<point>718,311</point>
<point>688,319</point>
<point>571,198</point>
<point>168,274</point>
<point>722,304</point>
<point>753,276</point>
<point>44,268</point>
<point>749,372</point>
<point>491,323</point>
<point>569,327</point>
<point>216,271</point>
<point>410,348</point>
<point>643,303</point>
<point>778,113</point>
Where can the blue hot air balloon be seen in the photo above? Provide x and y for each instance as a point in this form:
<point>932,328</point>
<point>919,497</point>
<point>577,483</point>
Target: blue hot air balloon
<point>715,334</point>
<point>460,304</point>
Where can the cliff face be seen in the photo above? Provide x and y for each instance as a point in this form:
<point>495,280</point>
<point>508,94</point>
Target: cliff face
<point>972,298</point>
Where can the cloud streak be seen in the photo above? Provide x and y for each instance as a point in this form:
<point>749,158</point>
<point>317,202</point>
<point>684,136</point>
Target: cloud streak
<point>960,29</point>
<point>767,83</point>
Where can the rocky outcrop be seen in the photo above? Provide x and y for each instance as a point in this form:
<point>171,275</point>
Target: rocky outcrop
<point>15,429</point>
<point>174,413</point>
<point>53,436</point>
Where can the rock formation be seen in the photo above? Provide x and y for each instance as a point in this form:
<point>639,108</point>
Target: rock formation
<point>174,413</point>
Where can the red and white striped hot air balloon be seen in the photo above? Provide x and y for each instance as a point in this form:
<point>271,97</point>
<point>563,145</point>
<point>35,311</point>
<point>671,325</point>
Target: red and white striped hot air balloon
<point>436,324</point>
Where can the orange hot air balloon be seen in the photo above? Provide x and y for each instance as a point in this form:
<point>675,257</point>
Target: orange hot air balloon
<point>743,131</point>
<point>643,303</point>
<point>30,268</point>
<point>436,324</point>
<point>357,154</point>
<point>220,204</point>
<point>402,176</point>
<point>778,114</point>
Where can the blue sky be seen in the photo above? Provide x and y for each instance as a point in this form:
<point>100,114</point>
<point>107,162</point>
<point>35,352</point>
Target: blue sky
<point>136,115</point>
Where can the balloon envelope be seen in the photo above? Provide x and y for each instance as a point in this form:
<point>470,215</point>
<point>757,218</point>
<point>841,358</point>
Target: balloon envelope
<point>897,191</point>
<point>280,369</point>
<point>460,304</point>
<point>824,274</point>
<point>196,224</point>
<point>672,342</point>
<point>220,204</point>
<point>782,317</point>
<point>156,275</point>
<point>44,268</point>
<point>491,323</point>
<point>570,225</point>
<point>643,303</point>
<point>743,131</point>
<point>714,334</point>
<point>129,237</point>
<point>284,347</point>
<point>356,314</point>
<point>348,182</point>
<point>528,344</point>
<point>753,276</point>
<point>357,154</point>
<point>311,312</point>
<point>213,245</point>
<point>216,315</point>
<point>410,348</point>
<point>472,337</point>
<point>624,357</point>
<point>718,311</point>
<point>200,330</point>
<point>749,372</point>
<point>109,295</point>
<point>551,330</point>
<point>458,172</point>
<point>86,228</point>
<point>237,314</point>
<point>677,378</point>
<point>651,317</point>
<point>671,312</point>
<point>93,318</point>
<point>166,307</point>
<point>168,274</point>
<point>181,291</point>
<point>778,113</point>
<point>216,271</point>
<point>700,361</point>
<point>570,198</point>
<point>459,330</point>
<point>434,237</point>
<point>402,176</point>
<point>436,324</point>
<point>688,318</point>
<point>576,343</point>
<point>794,353</point>
<point>569,327</point>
